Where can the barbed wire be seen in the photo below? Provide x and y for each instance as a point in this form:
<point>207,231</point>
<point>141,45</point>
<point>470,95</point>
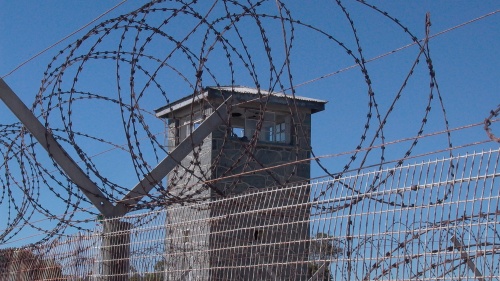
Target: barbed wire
<point>337,155</point>
<point>391,242</point>
<point>488,122</point>
<point>149,58</point>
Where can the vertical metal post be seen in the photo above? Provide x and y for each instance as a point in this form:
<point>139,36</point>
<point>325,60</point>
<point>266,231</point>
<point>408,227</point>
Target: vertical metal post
<point>116,234</point>
<point>115,250</point>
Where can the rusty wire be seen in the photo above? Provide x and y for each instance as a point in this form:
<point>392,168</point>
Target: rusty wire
<point>149,58</point>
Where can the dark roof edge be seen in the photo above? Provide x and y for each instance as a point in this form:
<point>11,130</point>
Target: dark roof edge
<point>244,94</point>
<point>274,98</point>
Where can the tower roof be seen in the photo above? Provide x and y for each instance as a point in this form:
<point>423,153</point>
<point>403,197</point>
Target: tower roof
<point>241,94</point>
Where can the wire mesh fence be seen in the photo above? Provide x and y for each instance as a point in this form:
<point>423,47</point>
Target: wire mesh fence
<point>433,220</point>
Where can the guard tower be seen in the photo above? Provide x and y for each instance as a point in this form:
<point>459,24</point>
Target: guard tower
<point>215,235</point>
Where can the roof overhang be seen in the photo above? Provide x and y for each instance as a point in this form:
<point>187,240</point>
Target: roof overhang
<point>242,95</point>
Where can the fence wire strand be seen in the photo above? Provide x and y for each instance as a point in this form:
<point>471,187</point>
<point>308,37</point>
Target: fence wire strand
<point>406,229</point>
<point>375,216</point>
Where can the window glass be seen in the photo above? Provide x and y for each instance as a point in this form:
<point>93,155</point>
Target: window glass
<point>188,124</point>
<point>195,125</point>
<point>275,126</point>
<point>238,132</point>
<point>268,131</point>
<point>280,132</point>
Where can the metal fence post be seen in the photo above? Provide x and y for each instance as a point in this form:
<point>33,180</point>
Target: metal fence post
<point>115,250</point>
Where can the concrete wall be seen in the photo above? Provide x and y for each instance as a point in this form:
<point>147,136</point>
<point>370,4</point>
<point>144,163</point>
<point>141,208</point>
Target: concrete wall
<point>258,238</point>
<point>252,232</point>
<point>187,240</point>
<point>236,239</point>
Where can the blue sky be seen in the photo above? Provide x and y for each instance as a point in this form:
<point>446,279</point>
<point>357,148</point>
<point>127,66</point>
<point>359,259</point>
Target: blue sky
<point>465,60</point>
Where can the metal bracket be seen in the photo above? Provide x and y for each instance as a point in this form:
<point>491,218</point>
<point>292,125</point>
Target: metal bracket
<point>168,163</point>
<point>76,174</point>
<point>60,156</point>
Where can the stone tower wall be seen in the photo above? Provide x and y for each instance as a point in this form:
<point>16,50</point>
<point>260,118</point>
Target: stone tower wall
<point>256,230</point>
<point>250,238</point>
<point>187,240</point>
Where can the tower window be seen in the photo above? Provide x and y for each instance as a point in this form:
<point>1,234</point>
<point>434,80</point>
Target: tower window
<point>280,134</point>
<point>275,126</point>
<point>183,127</point>
<point>238,132</point>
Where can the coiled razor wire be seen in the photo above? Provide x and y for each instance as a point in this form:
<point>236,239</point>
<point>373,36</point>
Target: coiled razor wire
<point>98,94</point>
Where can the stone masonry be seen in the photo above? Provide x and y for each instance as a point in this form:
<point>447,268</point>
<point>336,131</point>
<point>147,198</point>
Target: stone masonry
<point>219,234</point>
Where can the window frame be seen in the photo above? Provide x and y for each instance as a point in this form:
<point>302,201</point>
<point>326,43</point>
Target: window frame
<point>186,125</point>
<point>275,129</point>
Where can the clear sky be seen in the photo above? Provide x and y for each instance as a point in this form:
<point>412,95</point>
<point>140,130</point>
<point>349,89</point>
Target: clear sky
<point>465,59</point>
